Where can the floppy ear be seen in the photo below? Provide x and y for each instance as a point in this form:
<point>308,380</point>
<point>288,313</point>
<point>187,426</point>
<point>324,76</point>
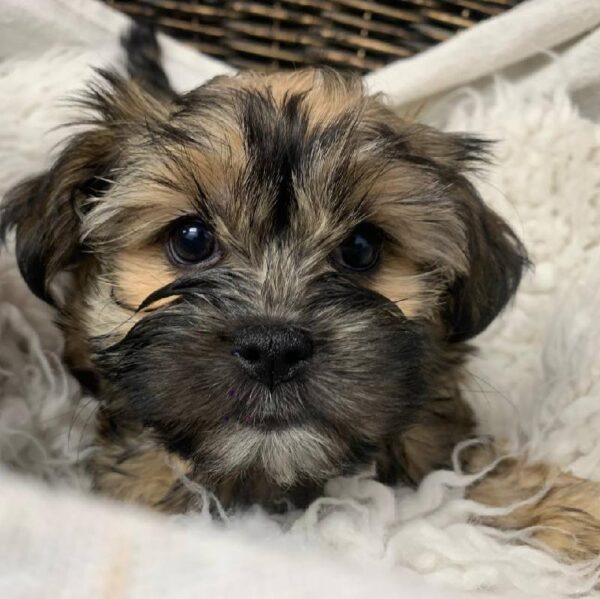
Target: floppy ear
<point>44,211</point>
<point>484,259</point>
<point>487,273</point>
<point>496,259</point>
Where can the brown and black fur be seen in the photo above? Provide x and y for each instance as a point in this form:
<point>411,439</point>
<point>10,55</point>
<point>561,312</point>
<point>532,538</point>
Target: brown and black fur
<point>282,168</point>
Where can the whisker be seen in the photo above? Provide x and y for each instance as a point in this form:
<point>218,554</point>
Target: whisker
<point>499,393</point>
<point>79,408</point>
<point>92,415</point>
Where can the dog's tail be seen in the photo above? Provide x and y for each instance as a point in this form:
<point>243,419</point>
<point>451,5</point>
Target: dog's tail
<point>144,60</point>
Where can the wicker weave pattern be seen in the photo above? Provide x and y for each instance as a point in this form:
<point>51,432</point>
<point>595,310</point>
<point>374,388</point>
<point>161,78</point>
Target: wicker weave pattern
<point>359,34</point>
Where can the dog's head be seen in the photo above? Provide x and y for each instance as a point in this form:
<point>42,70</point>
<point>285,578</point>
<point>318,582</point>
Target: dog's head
<point>265,267</point>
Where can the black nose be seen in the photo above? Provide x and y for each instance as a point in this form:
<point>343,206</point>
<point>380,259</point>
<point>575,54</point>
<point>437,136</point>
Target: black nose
<point>272,354</point>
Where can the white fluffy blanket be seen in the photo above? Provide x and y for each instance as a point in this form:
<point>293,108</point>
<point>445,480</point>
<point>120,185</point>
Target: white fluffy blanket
<point>536,380</point>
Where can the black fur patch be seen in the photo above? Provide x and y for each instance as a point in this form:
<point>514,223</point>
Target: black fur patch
<point>144,60</point>
<point>276,141</point>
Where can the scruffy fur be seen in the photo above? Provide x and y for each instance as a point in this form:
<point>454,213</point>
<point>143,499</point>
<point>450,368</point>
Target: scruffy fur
<point>282,167</point>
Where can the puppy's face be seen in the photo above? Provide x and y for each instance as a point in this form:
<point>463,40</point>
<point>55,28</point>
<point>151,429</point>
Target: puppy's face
<point>267,268</point>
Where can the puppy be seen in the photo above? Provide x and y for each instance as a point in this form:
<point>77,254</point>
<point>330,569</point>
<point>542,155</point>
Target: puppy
<point>274,280</point>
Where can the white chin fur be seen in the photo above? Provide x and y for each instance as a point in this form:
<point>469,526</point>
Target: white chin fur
<point>285,455</point>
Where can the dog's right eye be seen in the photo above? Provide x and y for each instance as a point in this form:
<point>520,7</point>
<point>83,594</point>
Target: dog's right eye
<point>190,242</point>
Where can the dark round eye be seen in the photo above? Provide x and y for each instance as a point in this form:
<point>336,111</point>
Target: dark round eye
<point>361,249</point>
<point>190,242</point>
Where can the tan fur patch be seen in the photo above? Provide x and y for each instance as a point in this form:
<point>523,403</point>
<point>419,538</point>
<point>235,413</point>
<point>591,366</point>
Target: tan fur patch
<point>140,272</point>
<point>564,518</point>
<point>399,281</point>
<point>325,97</point>
<point>147,477</point>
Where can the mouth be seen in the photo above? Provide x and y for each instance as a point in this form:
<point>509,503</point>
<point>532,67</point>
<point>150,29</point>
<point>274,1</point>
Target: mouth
<point>270,423</point>
<point>269,411</point>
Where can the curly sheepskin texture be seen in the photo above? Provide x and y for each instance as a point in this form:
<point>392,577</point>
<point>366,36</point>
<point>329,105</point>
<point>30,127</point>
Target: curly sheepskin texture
<point>536,382</point>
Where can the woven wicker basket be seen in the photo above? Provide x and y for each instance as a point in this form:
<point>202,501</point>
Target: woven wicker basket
<point>358,34</point>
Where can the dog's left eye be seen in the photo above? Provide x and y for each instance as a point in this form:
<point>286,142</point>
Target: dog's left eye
<point>190,242</point>
<point>360,250</point>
